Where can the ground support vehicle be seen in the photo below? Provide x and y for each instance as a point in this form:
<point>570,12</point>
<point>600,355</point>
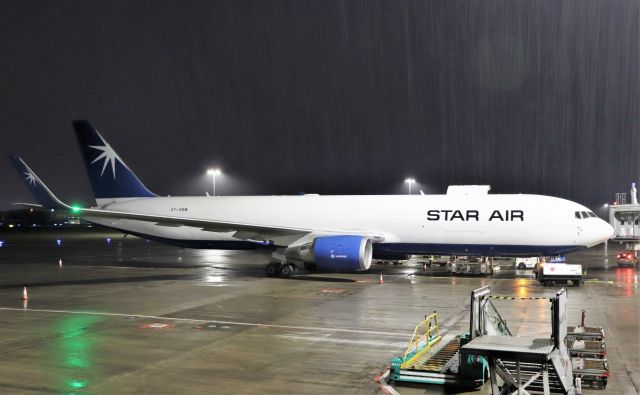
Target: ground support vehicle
<point>525,263</point>
<point>434,359</point>
<point>627,258</point>
<point>559,273</point>
<point>587,348</point>
<point>591,371</point>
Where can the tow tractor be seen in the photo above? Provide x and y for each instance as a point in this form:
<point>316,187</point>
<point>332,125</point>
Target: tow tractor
<point>558,273</point>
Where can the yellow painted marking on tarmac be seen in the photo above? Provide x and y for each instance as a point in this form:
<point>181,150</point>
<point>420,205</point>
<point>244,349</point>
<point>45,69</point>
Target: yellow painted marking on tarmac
<point>519,298</point>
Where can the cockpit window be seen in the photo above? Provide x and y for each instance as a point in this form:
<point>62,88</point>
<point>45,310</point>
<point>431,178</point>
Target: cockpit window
<point>578,215</point>
<point>585,215</point>
<point>591,214</point>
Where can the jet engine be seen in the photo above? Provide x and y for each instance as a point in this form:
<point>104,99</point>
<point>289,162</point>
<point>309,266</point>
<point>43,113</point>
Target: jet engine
<point>341,253</point>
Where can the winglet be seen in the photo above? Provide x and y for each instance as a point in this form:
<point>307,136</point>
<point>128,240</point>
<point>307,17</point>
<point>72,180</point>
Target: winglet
<point>40,192</point>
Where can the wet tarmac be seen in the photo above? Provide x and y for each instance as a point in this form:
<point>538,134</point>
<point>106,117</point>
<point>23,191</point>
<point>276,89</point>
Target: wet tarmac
<point>130,316</point>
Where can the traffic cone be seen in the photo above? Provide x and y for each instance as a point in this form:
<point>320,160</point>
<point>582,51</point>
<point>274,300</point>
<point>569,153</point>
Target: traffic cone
<point>381,281</point>
<point>60,263</point>
<point>25,296</point>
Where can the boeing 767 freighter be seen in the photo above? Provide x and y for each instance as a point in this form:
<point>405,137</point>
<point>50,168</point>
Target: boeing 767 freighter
<point>328,232</point>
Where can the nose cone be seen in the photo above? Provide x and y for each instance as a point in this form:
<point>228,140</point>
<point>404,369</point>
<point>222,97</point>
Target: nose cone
<point>599,232</point>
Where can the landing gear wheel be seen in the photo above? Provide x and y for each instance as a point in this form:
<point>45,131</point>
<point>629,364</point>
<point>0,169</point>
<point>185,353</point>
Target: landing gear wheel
<point>522,266</point>
<point>273,269</point>
<point>312,267</point>
<point>287,270</point>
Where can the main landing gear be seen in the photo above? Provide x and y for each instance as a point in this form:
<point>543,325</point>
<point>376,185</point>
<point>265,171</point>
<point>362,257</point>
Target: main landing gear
<point>276,269</point>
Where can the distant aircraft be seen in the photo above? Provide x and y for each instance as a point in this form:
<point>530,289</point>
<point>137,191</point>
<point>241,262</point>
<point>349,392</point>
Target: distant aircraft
<point>340,233</point>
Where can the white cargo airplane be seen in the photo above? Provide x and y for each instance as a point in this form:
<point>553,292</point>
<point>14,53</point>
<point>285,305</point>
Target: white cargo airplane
<point>328,232</point>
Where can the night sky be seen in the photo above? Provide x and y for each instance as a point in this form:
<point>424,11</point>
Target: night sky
<point>329,97</point>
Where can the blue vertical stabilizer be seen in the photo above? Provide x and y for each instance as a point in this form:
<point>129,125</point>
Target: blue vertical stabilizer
<point>111,178</point>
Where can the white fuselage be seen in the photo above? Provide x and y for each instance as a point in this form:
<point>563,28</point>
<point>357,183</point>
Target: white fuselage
<point>509,225</point>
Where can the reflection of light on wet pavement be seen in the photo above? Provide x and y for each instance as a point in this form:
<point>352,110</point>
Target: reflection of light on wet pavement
<point>75,351</point>
<point>214,279</point>
<point>523,292</point>
<point>411,275</point>
<point>215,276</point>
<point>627,276</point>
<point>522,288</point>
<point>212,256</point>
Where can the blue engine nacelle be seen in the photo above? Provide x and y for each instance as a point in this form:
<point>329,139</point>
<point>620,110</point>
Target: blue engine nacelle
<point>344,253</point>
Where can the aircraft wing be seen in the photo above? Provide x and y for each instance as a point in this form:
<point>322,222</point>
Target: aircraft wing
<point>279,235</point>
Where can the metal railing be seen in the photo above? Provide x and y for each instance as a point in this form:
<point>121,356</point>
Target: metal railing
<point>426,332</point>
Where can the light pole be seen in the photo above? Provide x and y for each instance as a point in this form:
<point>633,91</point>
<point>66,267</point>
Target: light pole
<point>214,173</point>
<point>410,181</point>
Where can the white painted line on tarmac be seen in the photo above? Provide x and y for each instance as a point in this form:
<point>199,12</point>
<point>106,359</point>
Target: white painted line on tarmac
<point>372,343</point>
<point>250,324</point>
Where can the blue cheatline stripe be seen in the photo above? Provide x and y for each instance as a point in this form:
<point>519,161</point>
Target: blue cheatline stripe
<point>398,248</point>
<point>475,249</point>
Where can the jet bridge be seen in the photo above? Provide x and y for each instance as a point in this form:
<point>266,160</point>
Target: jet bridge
<point>525,364</point>
<point>625,219</point>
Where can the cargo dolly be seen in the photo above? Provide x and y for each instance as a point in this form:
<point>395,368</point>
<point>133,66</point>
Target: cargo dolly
<point>594,372</point>
<point>588,352</point>
<point>587,348</point>
<point>585,333</point>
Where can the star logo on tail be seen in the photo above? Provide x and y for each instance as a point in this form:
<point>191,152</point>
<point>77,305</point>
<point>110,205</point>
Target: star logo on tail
<point>109,157</point>
<point>31,178</point>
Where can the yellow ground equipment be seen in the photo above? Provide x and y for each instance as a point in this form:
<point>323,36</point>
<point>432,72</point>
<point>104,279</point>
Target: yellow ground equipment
<point>435,359</point>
